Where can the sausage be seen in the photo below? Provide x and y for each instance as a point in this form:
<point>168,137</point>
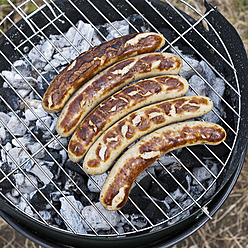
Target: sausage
<point>91,62</point>
<point>111,143</point>
<point>115,191</point>
<point>120,104</point>
<point>111,80</point>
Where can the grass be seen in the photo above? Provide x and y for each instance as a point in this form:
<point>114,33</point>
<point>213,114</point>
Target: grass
<point>6,8</point>
<point>229,227</point>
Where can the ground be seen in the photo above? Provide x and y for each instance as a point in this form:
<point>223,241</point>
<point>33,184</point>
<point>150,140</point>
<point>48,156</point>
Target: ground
<point>229,227</point>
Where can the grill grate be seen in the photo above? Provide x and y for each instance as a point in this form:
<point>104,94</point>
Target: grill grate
<point>59,16</point>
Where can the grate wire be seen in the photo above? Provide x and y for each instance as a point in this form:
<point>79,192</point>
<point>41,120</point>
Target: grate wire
<point>37,31</point>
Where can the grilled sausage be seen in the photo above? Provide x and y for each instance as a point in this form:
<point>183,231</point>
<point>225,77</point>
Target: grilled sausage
<point>89,63</point>
<point>111,80</point>
<point>120,104</point>
<point>136,159</point>
<point>110,144</point>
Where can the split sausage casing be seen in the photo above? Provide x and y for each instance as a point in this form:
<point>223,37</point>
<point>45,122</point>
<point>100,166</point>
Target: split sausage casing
<point>91,62</point>
<point>111,80</point>
<point>123,133</point>
<point>112,109</point>
<point>115,191</point>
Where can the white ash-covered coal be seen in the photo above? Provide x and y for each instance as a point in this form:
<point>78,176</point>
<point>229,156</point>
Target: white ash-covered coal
<point>47,186</point>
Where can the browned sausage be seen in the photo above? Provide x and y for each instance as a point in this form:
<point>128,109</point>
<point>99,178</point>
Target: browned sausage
<point>136,159</point>
<point>110,144</point>
<point>111,80</point>
<point>120,104</point>
<point>89,63</point>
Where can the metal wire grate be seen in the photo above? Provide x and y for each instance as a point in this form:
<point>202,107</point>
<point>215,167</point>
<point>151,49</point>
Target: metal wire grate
<point>59,15</point>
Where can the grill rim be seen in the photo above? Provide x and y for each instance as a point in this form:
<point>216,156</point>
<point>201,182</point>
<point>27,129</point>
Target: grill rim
<point>243,145</point>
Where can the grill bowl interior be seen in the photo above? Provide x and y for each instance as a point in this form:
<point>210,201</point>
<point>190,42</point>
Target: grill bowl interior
<point>220,46</point>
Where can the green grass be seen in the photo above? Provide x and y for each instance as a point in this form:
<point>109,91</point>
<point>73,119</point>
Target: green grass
<point>2,2</point>
<point>242,5</point>
<point>31,7</point>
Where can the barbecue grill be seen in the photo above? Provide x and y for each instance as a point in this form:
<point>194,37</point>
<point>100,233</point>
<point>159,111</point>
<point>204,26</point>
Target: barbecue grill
<point>34,157</point>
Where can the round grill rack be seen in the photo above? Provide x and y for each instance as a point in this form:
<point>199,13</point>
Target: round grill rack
<point>209,37</point>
